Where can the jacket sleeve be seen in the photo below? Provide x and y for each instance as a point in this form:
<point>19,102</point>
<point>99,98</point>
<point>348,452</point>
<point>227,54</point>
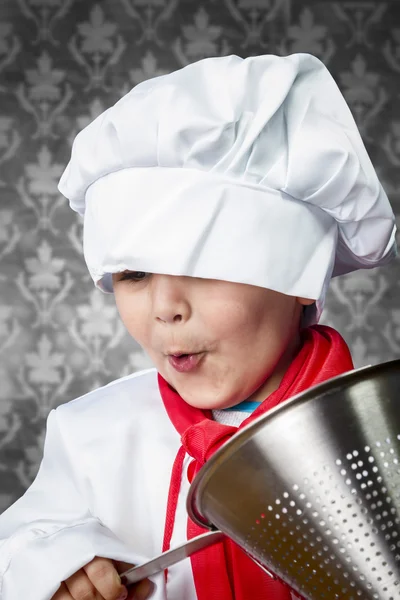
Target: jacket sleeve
<point>49,533</point>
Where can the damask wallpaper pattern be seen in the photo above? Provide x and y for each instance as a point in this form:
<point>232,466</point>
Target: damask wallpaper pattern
<point>62,62</point>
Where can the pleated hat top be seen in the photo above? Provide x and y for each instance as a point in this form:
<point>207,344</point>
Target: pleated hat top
<point>245,170</point>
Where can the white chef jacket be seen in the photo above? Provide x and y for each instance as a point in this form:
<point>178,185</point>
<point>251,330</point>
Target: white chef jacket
<point>101,490</point>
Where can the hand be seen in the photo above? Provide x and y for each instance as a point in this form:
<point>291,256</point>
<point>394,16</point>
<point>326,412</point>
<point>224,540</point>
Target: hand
<point>99,580</point>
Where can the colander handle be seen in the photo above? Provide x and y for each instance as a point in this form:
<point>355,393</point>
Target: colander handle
<point>171,557</point>
<point>262,566</point>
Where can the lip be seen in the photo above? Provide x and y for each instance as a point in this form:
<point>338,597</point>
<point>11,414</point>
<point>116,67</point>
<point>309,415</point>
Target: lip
<point>179,351</point>
<point>187,363</point>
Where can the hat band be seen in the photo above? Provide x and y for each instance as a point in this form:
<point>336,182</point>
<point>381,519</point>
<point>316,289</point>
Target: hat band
<point>182,221</point>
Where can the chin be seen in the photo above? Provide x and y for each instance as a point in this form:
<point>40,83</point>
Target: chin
<point>204,400</point>
<point>205,406</point>
<point>210,404</point>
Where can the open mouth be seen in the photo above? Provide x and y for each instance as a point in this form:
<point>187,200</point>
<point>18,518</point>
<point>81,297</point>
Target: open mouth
<point>185,362</point>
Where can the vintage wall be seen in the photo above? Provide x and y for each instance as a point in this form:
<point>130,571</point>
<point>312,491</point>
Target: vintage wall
<point>62,62</point>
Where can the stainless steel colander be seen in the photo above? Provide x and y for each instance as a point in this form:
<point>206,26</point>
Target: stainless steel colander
<point>311,490</point>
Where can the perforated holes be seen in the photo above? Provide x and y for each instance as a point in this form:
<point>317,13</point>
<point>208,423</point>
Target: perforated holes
<point>320,523</point>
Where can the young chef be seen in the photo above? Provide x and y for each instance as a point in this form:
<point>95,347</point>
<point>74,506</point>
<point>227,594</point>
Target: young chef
<point>218,202</point>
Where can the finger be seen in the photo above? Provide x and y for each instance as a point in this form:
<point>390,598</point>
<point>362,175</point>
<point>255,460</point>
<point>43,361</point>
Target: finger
<point>122,566</point>
<point>141,590</point>
<point>62,593</point>
<point>137,591</point>
<point>80,586</point>
<point>104,577</point>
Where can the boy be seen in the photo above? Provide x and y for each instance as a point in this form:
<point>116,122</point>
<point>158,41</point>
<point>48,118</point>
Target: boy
<point>218,202</point>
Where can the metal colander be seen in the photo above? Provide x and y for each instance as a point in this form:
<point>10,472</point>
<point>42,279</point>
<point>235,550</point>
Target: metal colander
<point>311,490</point>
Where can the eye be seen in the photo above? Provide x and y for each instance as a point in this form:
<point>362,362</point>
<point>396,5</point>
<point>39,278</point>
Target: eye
<point>132,276</point>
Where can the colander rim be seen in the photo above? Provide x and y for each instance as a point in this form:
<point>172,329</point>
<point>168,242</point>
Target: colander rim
<point>356,376</point>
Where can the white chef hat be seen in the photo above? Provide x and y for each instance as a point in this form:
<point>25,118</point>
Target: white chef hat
<point>245,170</point>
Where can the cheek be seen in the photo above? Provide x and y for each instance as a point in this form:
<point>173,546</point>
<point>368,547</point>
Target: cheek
<point>239,324</point>
<point>254,337</point>
<point>229,319</point>
<point>132,315</point>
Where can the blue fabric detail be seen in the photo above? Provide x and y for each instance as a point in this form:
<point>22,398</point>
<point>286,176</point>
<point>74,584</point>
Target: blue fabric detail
<point>245,406</point>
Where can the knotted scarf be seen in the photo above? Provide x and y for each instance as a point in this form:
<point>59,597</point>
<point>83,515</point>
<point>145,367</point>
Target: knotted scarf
<point>224,571</point>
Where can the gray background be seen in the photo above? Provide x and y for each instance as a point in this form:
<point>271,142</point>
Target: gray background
<point>62,62</point>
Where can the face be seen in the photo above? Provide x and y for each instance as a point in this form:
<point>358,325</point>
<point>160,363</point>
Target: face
<point>247,334</point>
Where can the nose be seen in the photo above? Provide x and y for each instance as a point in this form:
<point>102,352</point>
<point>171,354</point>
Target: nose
<point>169,296</point>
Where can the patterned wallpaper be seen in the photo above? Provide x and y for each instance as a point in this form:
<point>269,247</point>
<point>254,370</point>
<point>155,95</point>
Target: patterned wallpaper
<point>62,62</point>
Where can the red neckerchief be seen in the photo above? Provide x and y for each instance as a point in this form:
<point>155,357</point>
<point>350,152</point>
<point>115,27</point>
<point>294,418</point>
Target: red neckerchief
<point>224,571</point>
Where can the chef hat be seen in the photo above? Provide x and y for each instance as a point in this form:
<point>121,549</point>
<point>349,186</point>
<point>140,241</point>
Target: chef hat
<point>245,170</point>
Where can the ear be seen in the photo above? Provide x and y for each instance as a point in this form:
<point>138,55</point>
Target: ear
<point>305,301</point>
